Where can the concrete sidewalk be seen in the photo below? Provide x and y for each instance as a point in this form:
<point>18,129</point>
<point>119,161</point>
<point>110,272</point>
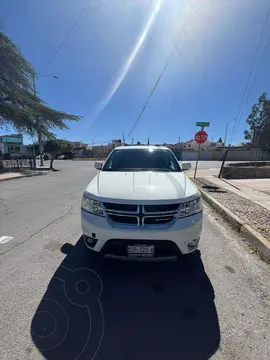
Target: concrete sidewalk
<point>245,204</point>
<point>10,176</point>
<point>256,190</point>
<point>26,173</point>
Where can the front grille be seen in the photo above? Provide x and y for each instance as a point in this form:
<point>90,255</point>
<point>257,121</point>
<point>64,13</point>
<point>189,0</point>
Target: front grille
<point>141,215</point>
<point>151,220</point>
<point>122,219</point>
<point>121,207</point>
<point>160,208</point>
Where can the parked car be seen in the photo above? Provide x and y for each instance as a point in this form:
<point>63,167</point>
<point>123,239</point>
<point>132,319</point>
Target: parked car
<point>142,206</point>
<point>61,157</point>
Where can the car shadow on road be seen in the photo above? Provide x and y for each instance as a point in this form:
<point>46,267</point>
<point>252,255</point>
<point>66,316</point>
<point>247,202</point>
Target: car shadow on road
<point>120,310</point>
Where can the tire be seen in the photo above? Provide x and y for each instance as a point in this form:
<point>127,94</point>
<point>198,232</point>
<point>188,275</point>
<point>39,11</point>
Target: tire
<point>190,255</point>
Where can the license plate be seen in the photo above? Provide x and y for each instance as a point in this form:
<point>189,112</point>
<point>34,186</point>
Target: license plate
<point>141,250</point>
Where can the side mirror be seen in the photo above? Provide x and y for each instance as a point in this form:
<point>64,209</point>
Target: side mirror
<point>186,166</point>
<point>98,165</point>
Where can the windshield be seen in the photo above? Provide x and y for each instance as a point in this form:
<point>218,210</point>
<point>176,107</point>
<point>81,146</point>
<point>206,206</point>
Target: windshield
<point>141,160</point>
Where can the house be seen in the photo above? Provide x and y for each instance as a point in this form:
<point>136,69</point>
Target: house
<point>208,145</point>
<point>11,144</point>
<point>101,151</point>
<point>80,150</point>
<point>175,147</point>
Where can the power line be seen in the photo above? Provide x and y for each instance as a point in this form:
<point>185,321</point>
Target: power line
<point>238,118</point>
<point>64,40</point>
<point>159,78</point>
<point>259,67</point>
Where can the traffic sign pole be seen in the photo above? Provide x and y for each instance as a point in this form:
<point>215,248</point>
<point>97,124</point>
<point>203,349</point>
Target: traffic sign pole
<point>198,157</point>
<point>200,138</point>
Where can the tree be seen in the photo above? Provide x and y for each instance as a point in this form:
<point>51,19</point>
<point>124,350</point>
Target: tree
<point>57,147</point>
<point>259,123</point>
<point>33,148</point>
<point>44,120</point>
<point>20,106</point>
<point>33,151</point>
<point>219,140</point>
<point>16,91</point>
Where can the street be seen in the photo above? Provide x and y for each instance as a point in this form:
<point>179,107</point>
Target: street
<point>60,301</point>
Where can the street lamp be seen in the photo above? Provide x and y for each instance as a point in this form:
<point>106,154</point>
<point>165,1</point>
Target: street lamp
<point>51,75</point>
<point>225,137</point>
<point>35,77</point>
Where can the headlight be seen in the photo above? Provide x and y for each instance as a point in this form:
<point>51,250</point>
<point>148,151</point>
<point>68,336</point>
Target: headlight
<point>190,208</point>
<point>92,206</point>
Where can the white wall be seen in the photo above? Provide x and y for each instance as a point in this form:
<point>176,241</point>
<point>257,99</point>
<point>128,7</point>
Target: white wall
<point>244,155</point>
<point>194,146</point>
<point>233,155</point>
<point>207,145</point>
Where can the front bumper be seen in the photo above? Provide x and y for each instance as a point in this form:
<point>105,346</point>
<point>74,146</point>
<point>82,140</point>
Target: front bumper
<point>182,233</point>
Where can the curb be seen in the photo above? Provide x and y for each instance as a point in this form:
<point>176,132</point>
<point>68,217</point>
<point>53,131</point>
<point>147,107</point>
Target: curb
<point>13,178</point>
<point>21,177</point>
<point>252,236</point>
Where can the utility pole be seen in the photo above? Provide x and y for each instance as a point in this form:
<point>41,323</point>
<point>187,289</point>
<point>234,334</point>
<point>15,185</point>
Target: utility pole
<point>37,123</point>
<point>225,136</point>
<point>34,152</point>
<point>226,129</point>
<point>123,141</point>
<point>132,140</point>
<point>37,116</point>
<point>148,141</point>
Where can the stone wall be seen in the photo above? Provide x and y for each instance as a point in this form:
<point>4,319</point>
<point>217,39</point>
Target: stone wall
<point>247,172</point>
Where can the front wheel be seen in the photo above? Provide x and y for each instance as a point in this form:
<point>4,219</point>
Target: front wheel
<point>191,254</point>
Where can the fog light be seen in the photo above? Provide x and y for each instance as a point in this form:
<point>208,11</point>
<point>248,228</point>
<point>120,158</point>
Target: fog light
<point>90,241</point>
<point>193,243</point>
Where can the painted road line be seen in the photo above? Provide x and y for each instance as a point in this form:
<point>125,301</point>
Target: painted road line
<point>5,239</point>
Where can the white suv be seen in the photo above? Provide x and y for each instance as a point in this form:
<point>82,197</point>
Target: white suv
<point>142,206</point>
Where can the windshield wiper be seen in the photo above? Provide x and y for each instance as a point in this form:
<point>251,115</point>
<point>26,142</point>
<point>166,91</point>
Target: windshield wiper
<point>116,169</point>
<point>153,169</point>
<point>142,169</point>
<point>158,169</point>
<point>119,169</point>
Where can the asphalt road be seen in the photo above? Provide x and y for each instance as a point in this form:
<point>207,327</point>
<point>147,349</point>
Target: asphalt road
<point>60,301</point>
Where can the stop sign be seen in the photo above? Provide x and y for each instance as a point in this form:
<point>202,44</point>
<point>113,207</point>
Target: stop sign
<point>201,137</point>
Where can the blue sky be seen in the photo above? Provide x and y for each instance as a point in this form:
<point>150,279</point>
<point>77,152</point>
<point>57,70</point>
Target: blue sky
<point>204,81</point>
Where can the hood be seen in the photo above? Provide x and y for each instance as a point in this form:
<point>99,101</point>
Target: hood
<point>143,185</point>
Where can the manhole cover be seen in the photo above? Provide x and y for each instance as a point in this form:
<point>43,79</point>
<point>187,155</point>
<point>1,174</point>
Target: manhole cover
<point>215,189</point>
